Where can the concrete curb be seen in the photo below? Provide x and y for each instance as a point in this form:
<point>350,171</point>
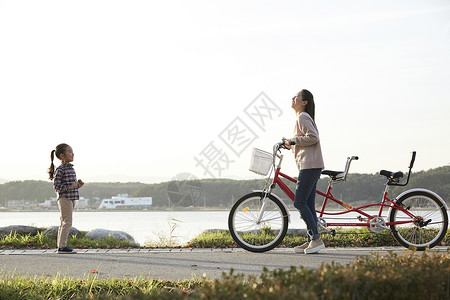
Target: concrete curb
<point>188,250</point>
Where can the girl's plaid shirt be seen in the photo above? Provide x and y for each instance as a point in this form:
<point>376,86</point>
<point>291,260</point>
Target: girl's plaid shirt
<point>64,176</point>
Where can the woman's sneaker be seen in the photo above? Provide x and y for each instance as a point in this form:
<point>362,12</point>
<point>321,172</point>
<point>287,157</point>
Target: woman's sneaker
<point>315,246</point>
<point>66,250</point>
<point>301,248</point>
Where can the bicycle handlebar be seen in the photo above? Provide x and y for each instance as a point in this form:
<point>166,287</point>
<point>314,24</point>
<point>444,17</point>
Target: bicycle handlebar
<point>282,144</point>
<point>347,166</point>
<point>413,159</point>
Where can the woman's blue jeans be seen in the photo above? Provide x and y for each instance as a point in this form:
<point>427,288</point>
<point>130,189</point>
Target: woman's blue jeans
<point>305,199</point>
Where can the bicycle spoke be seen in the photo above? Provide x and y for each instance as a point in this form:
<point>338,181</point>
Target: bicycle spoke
<point>268,220</point>
<point>434,223</point>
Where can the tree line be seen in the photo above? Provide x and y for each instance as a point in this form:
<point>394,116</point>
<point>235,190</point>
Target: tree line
<point>357,190</point>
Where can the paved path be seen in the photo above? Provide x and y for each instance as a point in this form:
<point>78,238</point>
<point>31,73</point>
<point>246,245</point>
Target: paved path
<point>174,264</point>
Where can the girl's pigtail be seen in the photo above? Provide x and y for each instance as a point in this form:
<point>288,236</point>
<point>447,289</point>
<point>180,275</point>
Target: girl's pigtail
<point>51,170</point>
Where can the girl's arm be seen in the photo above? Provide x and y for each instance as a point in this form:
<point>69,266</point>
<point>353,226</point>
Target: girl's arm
<point>58,184</point>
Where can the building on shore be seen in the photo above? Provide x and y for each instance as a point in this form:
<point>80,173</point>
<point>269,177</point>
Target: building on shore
<point>123,201</point>
<point>49,204</point>
<point>52,204</point>
<point>22,204</point>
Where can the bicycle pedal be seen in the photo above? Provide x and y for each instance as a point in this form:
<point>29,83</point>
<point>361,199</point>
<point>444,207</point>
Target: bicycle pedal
<point>361,219</point>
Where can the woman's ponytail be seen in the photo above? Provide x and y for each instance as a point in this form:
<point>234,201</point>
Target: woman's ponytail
<point>51,170</point>
<point>310,108</point>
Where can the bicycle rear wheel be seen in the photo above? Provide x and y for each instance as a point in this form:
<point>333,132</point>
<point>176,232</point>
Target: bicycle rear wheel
<point>256,236</point>
<point>430,225</point>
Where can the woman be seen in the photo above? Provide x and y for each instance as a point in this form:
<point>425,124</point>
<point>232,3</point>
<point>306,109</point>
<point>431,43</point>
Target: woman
<point>308,156</point>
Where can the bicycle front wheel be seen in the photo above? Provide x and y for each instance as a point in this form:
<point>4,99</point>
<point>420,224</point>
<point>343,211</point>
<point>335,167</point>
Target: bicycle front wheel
<point>429,225</point>
<point>258,223</point>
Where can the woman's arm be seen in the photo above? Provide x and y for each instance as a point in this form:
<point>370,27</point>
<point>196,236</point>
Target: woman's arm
<point>309,133</point>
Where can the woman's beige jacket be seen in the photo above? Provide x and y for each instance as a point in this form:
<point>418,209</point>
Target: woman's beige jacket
<point>308,153</point>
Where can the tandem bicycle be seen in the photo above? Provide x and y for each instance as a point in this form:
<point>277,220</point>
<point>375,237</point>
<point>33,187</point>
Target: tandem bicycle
<point>258,221</point>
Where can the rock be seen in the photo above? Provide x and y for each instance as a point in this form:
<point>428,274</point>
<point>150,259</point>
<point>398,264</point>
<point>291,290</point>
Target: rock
<point>19,229</point>
<point>53,231</point>
<point>100,233</point>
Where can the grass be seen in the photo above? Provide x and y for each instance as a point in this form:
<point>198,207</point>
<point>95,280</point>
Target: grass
<point>408,276</point>
<point>41,241</point>
<point>14,286</point>
<point>357,237</point>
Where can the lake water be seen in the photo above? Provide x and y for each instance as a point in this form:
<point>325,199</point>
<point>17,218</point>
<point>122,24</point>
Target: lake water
<point>144,226</point>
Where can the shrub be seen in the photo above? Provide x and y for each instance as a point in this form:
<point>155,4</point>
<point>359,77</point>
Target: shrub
<point>404,276</point>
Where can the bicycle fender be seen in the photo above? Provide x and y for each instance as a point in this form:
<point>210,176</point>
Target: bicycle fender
<point>282,202</point>
<point>420,190</point>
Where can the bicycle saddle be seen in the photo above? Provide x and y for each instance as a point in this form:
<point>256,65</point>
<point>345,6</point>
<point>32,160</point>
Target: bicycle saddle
<point>391,175</point>
<point>333,174</point>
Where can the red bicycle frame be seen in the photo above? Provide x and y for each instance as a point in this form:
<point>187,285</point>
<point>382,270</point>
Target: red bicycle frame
<point>385,203</point>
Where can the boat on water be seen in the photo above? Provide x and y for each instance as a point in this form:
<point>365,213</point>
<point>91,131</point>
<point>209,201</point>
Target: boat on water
<point>123,201</point>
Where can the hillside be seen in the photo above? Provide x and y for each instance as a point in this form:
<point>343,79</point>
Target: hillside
<point>359,189</point>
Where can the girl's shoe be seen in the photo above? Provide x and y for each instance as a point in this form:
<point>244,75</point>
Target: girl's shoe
<point>301,248</point>
<point>315,246</point>
<point>66,250</point>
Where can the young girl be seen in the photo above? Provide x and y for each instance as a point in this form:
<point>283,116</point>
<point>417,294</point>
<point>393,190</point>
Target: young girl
<point>308,155</point>
<point>66,186</point>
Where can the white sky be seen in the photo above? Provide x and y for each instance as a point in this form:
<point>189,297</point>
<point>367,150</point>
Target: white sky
<point>140,88</point>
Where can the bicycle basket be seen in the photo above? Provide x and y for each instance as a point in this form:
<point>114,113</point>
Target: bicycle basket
<point>261,162</point>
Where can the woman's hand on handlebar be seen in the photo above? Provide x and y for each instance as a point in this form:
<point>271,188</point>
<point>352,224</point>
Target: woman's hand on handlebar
<point>287,143</point>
